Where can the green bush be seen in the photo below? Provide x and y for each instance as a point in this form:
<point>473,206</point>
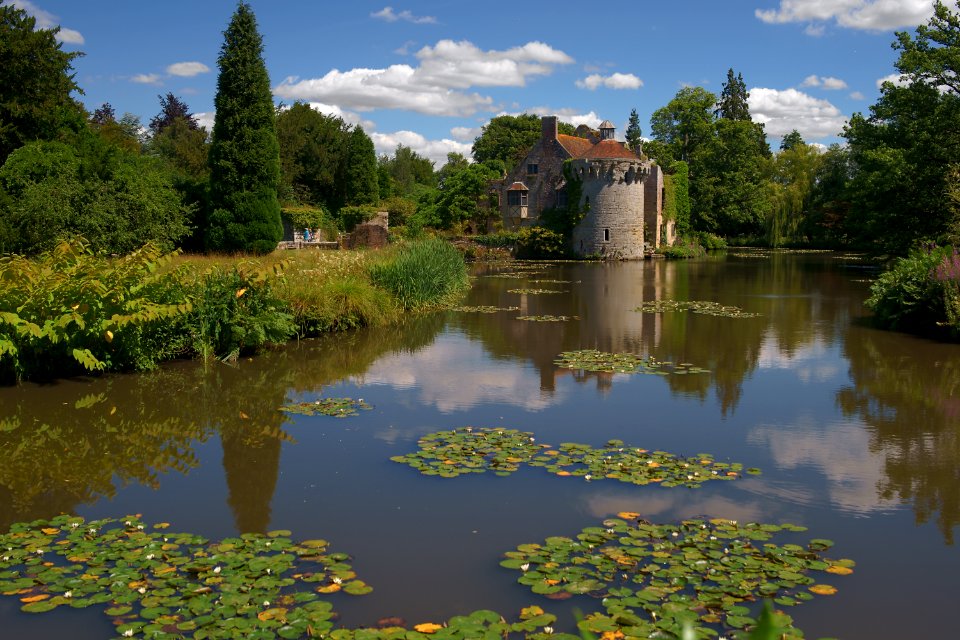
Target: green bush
<point>539,243</point>
<point>683,249</point>
<point>502,239</point>
<point>710,241</point>
<point>908,296</point>
<point>349,217</point>
<point>310,218</point>
<point>421,274</point>
<point>71,310</point>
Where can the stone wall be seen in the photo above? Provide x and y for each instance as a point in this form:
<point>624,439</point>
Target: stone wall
<point>653,206</point>
<point>549,155</point>
<point>614,192</point>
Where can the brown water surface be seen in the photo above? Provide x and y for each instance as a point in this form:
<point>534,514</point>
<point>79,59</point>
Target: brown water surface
<point>856,431</point>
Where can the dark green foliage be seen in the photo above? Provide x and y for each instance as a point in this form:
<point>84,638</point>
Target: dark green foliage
<point>540,243</point>
<point>360,170</point>
<point>830,200</point>
<point>36,79</point>
<point>509,138</point>
<point>684,248</point>
<point>683,125</point>
<point>709,241</point>
<point>244,155</point>
<point>932,57</point>
<point>117,200</point>
<point>70,311</point>
<point>791,140</point>
<point>679,191</point>
<point>908,297</point>
<point>502,239</point>
<point>313,147</point>
<point>399,209</point>
<point>349,217</point>
<point>236,312</point>
<point>463,194</point>
<point>172,109</point>
<point>733,99</point>
<point>313,218</point>
<point>633,134</point>
<point>404,170</point>
<point>424,273</point>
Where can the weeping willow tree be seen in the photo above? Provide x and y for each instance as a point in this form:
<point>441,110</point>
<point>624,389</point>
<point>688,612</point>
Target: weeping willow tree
<point>794,173</point>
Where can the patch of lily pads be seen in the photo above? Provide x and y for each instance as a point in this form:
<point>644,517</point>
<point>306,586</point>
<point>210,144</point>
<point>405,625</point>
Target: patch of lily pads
<point>548,318</point>
<point>159,584</point>
<point>336,407</point>
<point>703,307</point>
<point>449,454</point>
<point>484,309</point>
<point>555,281</point>
<point>654,579</point>
<point>602,362</point>
<point>534,292</point>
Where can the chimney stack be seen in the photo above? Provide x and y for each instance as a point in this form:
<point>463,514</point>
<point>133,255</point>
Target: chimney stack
<point>548,126</point>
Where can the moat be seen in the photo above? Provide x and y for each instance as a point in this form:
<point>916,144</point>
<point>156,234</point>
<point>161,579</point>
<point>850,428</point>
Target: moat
<point>856,430</point>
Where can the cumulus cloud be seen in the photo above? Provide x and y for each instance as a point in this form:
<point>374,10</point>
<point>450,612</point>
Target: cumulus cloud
<point>187,69</point>
<point>435,150</point>
<point>465,134</point>
<point>146,78</point>
<point>825,82</point>
<point>895,78</point>
<point>783,111</point>
<point>856,95</point>
<point>613,81</point>
<point>205,119</point>
<point>47,20</point>
<point>387,14</point>
<point>435,86</point>
<point>874,15</point>
<point>572,116</point>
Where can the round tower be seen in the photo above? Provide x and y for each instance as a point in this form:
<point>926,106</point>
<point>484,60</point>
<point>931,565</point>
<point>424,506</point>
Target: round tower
<point>611,193</point>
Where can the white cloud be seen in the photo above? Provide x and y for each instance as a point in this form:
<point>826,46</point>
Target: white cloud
<point>613,81</point>
<point>387,14</point>
<point>187,69</point>
<point>205,119</point>
<point>874,15</point>
<point>814,30</point>
<point>571,116</point>
<point>895,78</point>
<point>146,78</point>
<point>436,150</point>
<point>856,95</point>
<point>47,20</point>
<point>435,86</point>
<point>826,82</point>
<point>465,134</point>
<point>783,111</point>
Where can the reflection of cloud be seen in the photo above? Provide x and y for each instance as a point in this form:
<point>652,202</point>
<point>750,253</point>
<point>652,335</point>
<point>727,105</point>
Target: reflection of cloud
<point>841,451</point>
<point>453,374</point>
<point>675,504</point>
<point>811,362</point>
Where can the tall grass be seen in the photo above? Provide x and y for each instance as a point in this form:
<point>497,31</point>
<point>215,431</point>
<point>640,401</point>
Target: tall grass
<point>422,274</point>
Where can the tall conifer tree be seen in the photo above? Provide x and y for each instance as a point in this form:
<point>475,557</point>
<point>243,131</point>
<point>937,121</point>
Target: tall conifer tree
<point>244,155</point>
<point>733,99</point>
<point>361,180</point>
<point>633,134</point>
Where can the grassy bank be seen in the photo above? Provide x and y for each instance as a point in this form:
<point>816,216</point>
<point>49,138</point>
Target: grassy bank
<point>71,311</point>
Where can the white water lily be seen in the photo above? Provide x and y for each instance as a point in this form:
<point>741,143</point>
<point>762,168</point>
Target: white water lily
<point>150,556</point>
<point>142,590</point>
<point>524,566</point>
<point>713,537</point>
<point>548,630</point>
<point>68,594</point>
<point>337,580</point>
<point>140,527</point>
<point>217,569</point>
<point>74,525</point>
<point>39,552</point>
<point>587,477</point>
<point>6,558</point>
<point>266,603</point>
<point>269,571</point>
<point>128,633</point>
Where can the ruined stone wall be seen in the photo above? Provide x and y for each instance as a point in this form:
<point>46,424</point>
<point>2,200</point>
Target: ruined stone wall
<point>614,191</point>
<point>653,206</point>
<point>549,155</point>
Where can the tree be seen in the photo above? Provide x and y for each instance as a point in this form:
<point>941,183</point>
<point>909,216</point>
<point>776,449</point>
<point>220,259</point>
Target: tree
<point>360,170</point>
<point>104,114</point>
<point>36,79</point>
<point>244,155</point>
<point>791,141</point>
<point>407,168</point>
<point>791,192</point>
<point>633,134</point>
<point>932,57</point>
<point>172,108</point>
<point>461,193</point>
<point>313,147</point>
<point>509,138</point>
<point>733,99</point>
<point>684,124</point>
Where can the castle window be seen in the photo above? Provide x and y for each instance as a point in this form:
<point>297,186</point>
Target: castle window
<point>517,198</point>
<point>606,235</point>
<point>562,199</point>
<point>533,168</point>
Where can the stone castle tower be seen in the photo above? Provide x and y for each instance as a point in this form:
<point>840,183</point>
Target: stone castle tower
<point>620,193</point>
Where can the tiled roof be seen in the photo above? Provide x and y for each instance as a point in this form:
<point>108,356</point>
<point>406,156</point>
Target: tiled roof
<point>517,186</point>
<point>575,146</point>
<point>606,124</point>
<point>610,149</point>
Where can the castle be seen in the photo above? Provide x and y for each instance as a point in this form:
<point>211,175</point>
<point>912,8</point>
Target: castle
<point>621,194</point>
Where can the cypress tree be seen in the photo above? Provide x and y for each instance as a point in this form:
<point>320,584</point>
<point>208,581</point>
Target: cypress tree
<point>733,99</point>
<point>244,154</point>
<point>633,135</point>
<point>362,182</point>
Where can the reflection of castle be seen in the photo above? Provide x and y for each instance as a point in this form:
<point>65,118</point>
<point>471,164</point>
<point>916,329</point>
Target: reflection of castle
<point>621,194</point>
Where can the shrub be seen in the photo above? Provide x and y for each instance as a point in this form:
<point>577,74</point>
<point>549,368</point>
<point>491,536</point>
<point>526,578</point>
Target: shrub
<point>72,310</point>
<point>710,241</point>
<point>909,296</point>
<point>337,305</point>
<point>421,274</point>
<point>683,249</point>
<point>501,239</point>
<point>310,218</point>
<point>539,243</point>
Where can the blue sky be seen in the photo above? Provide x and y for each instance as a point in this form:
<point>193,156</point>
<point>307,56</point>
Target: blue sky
<point>430,74</point>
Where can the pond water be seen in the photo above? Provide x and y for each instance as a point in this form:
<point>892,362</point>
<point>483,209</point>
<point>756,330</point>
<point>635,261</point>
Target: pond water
<point>857,432</point>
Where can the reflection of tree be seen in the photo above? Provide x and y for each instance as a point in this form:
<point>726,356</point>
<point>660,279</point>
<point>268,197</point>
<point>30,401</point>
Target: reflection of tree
<point>76,442</point>
<point>908,394</point>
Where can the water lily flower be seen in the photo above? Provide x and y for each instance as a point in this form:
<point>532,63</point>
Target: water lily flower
<point>127,523</point>
<point>128,633</point>
<point>587,477</point>
<point>337,580</point>
<point>269,571</point>
<point>217,569</point>
<point>713,537</point>
<point>142,590</point>
<point>548,630</point>
<point>266,603</point>
<point>675,534</point>
<point>68,594</point>
<point>6,558</point>
<point>140,527</point>
<point>74,525</point>
<point>150,556</point>
<point>39,552</point>
<point>524,566</point>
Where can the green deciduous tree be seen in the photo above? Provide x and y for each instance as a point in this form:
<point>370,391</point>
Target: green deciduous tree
<point>791,193</point>
<point>407,168</point>
<point>313,147</point>
<point>508,138</point>
<point>36,79</point>
<point>244,154</point>
<point>683,125</point>
<point>791,140</point>
<point>633,134</point>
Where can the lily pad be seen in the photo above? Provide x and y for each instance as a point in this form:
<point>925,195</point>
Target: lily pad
<point>548,318</point>
<point>602,362</point>
<point>484,309</point>
<point>534,292</point>
<point>697,306</point>
<point>336,407</point>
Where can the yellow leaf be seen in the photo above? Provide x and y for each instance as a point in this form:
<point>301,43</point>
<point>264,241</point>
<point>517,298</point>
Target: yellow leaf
<point>838,570</point>
<point>50,531</point>
<point>551,581</point>
<point>823,589</point>
<point>240,292</point>
<point>612,635</point>
<point>530,612</point>
<point>428,627</point>
<point>108,336</point>
<point>161,572</point>
<point>552,453</point>
<point>732,474</point>
<point>271,614</point>
<point>653,465</point>
<point>37,598</point>
<point>514,459</point>
<point>136,584</point>
<point>330,588</point>
<point>161,525</point>
<point>244,416</point>
<point>563,473</point>
<point>628,515</point>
